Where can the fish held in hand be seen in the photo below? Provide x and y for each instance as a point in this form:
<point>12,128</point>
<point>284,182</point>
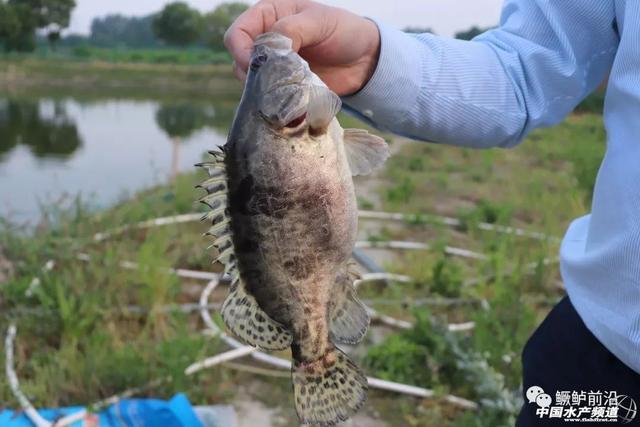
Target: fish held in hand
<point>284,222</point>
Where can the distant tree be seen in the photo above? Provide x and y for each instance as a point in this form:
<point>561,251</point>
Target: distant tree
<point>178,24</point>
<point>470,33</point>
<point>9,25</point>
<point>19,35</point>
<point>118,30</point>
<point>50,16</point>
<point>418,30</point>
<point>217,22</point>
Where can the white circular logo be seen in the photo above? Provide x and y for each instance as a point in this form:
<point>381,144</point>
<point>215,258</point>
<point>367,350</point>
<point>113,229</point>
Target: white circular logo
<point>627,409</point>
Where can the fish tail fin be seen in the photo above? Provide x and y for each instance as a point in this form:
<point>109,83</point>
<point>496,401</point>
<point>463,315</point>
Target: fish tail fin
<point>328,390</point>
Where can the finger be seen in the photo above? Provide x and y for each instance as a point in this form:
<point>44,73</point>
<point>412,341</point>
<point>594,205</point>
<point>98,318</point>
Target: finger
<point>307,28</point>
<point>239,72</point>
<point>254,21</point>
<point>239,43</point>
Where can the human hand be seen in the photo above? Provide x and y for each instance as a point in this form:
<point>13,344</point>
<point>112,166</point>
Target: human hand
<point>341,47</point>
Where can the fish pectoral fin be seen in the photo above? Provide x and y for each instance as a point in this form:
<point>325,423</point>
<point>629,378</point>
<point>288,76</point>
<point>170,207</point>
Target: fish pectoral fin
<point>323,106</point>
<point>349,319</point>
<point>244,317</point>
<point>328,390</point>
<point>365,151</point>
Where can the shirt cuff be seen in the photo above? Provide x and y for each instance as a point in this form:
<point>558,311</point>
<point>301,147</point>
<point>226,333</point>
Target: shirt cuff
<point>393,89</point>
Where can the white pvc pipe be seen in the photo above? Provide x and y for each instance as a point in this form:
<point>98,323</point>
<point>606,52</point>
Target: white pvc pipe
<point>396,244</point>
<point>14,384</point>
<point>220,358</point>
<point>364,214</point>
<point>453,222</point>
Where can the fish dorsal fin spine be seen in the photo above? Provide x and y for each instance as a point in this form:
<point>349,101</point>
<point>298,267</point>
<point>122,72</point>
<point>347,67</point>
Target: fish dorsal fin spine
<point>365,151</point>
<point>217,198</point>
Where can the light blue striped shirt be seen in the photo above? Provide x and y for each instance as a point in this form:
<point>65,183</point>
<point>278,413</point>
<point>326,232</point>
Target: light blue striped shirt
<point>530,72</point>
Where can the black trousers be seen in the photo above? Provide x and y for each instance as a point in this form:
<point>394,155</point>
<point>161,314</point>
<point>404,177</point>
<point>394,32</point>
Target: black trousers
<point>563,355</point>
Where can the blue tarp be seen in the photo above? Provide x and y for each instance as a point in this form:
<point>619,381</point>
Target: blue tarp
<point>176,412</point>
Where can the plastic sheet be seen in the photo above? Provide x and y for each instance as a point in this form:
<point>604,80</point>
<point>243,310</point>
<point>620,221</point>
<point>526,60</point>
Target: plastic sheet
<point>176,412</point>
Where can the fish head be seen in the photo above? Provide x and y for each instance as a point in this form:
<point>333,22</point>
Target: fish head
<point>287,95</point>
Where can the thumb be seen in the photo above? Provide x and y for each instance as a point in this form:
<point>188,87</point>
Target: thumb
<point>307,28</point>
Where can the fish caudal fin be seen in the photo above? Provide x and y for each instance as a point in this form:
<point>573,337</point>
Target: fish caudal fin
<point>328,390</point>
<point>244,317</point>
<point>349,319</point>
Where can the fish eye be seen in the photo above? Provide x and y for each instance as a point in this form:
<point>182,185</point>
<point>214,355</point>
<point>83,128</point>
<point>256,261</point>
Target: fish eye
<point>258,61</point>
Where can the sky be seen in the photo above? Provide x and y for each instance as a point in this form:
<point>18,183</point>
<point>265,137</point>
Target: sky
<point>445,17</point>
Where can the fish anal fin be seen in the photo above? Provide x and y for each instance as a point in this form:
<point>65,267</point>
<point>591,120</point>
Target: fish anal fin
<point>365,151</point>
<point>244,317</point>
<point>349,319</point>
<point>328,390</point>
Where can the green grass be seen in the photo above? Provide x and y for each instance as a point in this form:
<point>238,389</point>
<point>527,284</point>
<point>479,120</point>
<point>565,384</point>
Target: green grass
<point>541,185</point>
<point>78,342</point>
<point>190,56</point>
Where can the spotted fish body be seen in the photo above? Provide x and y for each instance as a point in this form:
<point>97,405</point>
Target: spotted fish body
<point>284,222</point>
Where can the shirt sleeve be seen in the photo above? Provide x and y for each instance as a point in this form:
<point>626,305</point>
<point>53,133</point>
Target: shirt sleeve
<point>531,71</point>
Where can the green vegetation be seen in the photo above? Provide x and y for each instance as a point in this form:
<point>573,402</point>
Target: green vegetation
<point>192,56</point>
<point>178,24</point>
<point>541,185</point>
<point>19,20</point>
<point>119,31</point>
<point>90,330</point>
<point>217,22</point>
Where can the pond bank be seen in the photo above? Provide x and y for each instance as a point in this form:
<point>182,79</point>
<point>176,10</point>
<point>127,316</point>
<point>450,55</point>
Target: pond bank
<point>130,79</point>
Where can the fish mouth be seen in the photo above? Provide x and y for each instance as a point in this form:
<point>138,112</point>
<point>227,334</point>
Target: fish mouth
<point>297,121</point>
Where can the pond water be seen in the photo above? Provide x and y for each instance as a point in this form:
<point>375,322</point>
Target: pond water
<point>54,149</point>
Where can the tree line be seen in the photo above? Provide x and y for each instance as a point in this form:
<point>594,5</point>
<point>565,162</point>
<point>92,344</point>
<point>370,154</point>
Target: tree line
<point>22,22</point>
<point>177,24</point>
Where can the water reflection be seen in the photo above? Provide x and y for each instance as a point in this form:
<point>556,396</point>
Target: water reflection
<point>100,149</point>
<point>181,120</point>
<point>45,128</point>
